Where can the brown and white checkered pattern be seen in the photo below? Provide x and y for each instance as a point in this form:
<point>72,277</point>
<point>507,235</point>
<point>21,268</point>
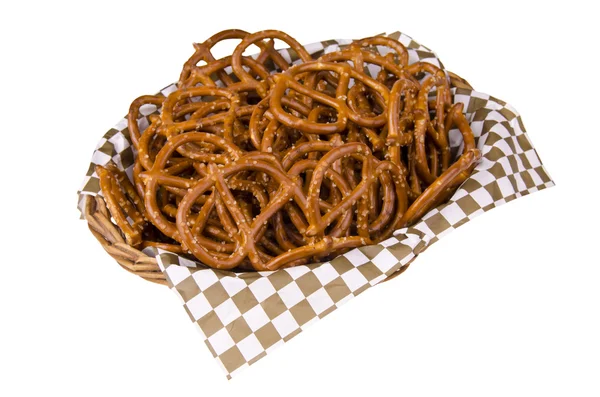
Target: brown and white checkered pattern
<point>244,316</point>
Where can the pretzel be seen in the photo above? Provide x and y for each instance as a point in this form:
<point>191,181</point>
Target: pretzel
<point>338,103</point>
<point>425,126</point>
<point>203,54</point>
<point>451,177</point>
<point>123,202</point>
<point>277,160</point>
<point>267,50</point>
<point>133,115</point>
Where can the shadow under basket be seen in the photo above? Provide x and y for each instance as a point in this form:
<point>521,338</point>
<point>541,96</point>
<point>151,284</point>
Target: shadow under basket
<point>137,262</point>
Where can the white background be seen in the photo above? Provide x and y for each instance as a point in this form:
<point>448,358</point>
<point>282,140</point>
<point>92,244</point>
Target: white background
<point>506,305</point>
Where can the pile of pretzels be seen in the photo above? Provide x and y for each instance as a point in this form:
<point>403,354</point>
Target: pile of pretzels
<point>282,159</point>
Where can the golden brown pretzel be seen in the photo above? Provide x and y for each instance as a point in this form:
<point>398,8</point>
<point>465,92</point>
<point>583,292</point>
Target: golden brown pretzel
<point>402,100</point>
<point>171,127</point>
<point>134,110</point>
<point>395,45</point>
<point>267,50</point>
<point>161,175</point>
<point>448,179</point>
<point>123,202</point>
<point>246,232</point>
<point>203,53</point>
<point>338,102</point>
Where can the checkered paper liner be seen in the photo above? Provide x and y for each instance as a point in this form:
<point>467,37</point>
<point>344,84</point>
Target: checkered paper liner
<point>244,316</point>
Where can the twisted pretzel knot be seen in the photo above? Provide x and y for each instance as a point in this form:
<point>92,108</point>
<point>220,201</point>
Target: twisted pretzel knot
<point>258,163</point>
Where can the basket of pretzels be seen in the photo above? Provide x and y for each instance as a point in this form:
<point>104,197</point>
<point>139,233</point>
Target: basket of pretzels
<point>285,158</point>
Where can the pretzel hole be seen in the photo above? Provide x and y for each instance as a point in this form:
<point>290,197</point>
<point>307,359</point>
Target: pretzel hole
<point>327,82</point>
<point>456,143</point>
<point>252,98</point>
<point>274,63</point>
<point>224,48</point>
<point>433,156</point>
<point>320,113</point>
<point>205,98</point>
<point>252,51</point>
<point>374,101</point>
<point>420,76</point>
<point>290,231</point>
<point>148,109</point>
<point>217,79</point>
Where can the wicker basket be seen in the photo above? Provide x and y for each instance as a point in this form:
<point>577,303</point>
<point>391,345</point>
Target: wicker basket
<point>137,262</point>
